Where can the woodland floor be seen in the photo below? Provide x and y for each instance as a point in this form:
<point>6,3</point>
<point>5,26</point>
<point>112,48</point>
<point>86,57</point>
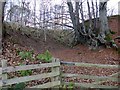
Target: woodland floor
<point>15,40</point>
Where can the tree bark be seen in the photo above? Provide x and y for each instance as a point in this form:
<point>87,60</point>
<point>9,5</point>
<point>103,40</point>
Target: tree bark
<point>96,19</point>
<point>79,37</point>
<point>82,17</point>
<point>84,34</point>
<point>2,5</point>
<point>34,13</point>
<point>104,29</point>
<point>74,19</point>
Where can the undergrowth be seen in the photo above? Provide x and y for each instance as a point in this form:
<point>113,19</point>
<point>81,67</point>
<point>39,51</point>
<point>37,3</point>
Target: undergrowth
<point>47,57</point>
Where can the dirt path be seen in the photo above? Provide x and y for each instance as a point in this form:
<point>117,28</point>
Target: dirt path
<point>78,53</point>
<point>83,54</point>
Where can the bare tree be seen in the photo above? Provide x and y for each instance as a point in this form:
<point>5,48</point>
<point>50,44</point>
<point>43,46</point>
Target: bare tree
<point>92,34</point>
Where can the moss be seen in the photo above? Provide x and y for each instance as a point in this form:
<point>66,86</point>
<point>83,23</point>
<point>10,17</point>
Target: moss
<point>108,38</point>
<point>112,32</point>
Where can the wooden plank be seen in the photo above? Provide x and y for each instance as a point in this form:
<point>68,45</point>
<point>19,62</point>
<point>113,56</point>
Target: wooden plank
<point>0,83</point>
<point>97,65</point>
<point>91,77</point>
<point>0,76</point>
<point>113,75</point>
<point>90,65</point>
<point>1,60</point>
<point>89,85</point>
<point>29,78</point>
<point>0,70</point>
<point>67,63</point>
<point>28,67</point>
<point>55,69</point>
<point>48,85</point>
<point>4,75</point>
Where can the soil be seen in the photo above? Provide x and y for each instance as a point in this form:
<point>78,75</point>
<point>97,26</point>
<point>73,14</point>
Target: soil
<point>80,53</point>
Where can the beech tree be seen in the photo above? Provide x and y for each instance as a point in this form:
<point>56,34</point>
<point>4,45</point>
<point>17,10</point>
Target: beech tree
<point>90,34</point>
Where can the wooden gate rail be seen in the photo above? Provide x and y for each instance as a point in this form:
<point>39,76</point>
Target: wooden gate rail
<point>98,79</point>
<point>56,75</point>
<point>53,74</point>
<point>89,65</point>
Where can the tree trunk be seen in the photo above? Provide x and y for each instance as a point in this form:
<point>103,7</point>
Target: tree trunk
<point>2,5</point>
<point>96,19</point>
<point>86,35</point>
<point>73,19</point>
<point>79,38</point>
<point>104,29</point>
<point>82,18</point>
<point>0,27</point>
<point>34,13</point>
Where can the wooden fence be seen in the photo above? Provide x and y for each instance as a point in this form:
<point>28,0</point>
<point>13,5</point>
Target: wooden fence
<point>98,79</point>
<point>56,75</point>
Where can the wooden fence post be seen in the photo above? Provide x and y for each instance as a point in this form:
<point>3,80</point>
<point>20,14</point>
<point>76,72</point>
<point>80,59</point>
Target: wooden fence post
<point>4,74</point>
<point>56,70</point>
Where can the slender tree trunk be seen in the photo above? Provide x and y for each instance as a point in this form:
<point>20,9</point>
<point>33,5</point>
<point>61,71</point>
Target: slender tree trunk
<point>96,19</point>
<point>34,13</point>
<point>22,5</point>
<point>90,19</point>
<point>2,5</point>
<point>77,13</point>
<point>44,23</point>
<point>93,10</point>
<point>11,5</point>
<point>82,16</point>
<point>1,27</point>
